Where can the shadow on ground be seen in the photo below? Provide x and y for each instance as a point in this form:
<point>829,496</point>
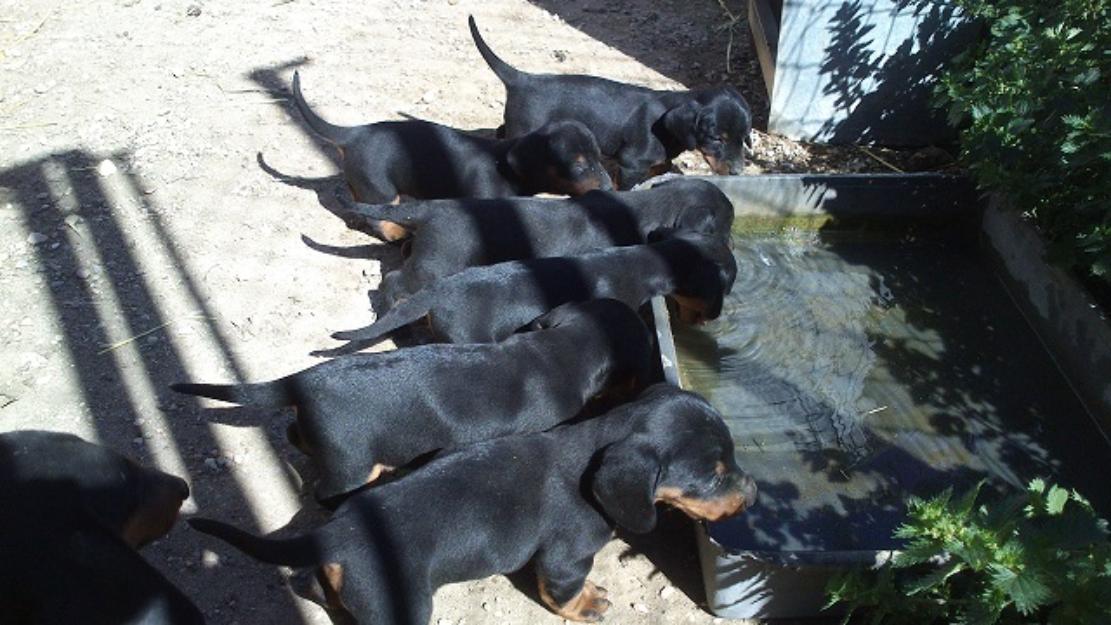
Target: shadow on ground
<point>101,288</point>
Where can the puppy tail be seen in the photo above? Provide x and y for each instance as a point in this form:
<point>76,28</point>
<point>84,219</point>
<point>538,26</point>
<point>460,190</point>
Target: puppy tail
<point>330,132</point>
<point>273,394</point>
<point>298,551</point>
<point>407,214</point>
<point>404,313</point>
<point>504,71</point>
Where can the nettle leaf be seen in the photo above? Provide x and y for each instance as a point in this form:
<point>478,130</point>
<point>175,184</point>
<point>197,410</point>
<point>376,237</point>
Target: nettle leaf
<point>934,578</point>
<point>1027,589</point>
<point>1056,499</point>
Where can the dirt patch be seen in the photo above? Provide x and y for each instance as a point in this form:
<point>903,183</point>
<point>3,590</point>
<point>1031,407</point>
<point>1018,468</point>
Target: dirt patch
<point>141,242</point>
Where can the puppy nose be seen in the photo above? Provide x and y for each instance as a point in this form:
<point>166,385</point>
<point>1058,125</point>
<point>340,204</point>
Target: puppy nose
<point>180,488</point>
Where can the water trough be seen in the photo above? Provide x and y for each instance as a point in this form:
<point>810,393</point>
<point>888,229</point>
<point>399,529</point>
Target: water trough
<point>888,335</point>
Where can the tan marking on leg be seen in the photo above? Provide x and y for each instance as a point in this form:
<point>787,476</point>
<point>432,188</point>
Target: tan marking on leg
<point>392,231</point>
<point>376,472</point>
<point>587,606</point>
<point>330,577</point>
<point>297,438</point>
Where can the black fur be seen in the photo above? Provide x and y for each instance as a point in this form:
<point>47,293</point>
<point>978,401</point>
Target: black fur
<point>451,235</point>
<point>421,159</point>
<point>390,408</point>
<point>485,304</point>
<point>641,128</point>
<point>552,498</point>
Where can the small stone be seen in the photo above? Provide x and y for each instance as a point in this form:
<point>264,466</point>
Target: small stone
<point>194,10</point>
<point>640,607</point>
<point>560,55</point>
<point>210,559</point>
<point>106,168</point>
<point>666,592</point>
<point>212,464</point>
<point>138,440</point>
<point>444,621</point>
<point>35,238</point>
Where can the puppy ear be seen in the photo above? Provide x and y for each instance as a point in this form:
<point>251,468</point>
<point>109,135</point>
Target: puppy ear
<point>682,123</point>
<point>525,153</point>
<point>625,485</point>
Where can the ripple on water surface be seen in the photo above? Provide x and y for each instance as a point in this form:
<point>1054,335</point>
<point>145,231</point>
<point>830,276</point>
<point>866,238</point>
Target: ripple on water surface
<point>855,371</point>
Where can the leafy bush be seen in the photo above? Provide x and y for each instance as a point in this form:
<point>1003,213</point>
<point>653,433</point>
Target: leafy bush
<point>1041,556</point>
<point>1033,101</point>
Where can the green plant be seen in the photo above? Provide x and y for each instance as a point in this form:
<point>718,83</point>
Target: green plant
<point>1033,102</point>
<point>1041,556</point>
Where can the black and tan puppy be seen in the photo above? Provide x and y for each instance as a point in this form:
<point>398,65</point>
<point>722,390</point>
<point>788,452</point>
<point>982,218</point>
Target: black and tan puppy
<point>485,304</point>
<point>360,415</point>
<point>71,515</point>
<point>641,128</point>
<point>451,235</point>
<point>552,498</point>
<point>421,159</point>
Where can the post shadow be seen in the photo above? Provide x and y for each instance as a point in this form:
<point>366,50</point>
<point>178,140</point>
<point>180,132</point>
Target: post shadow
<point>98,372</point>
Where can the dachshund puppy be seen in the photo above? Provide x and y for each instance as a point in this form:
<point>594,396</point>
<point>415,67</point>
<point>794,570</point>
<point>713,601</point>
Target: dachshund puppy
<point>486,304</point>
<point>450,235</point>
<point>552,498</point>
<point>421,159</point>
<point>360,415</point>
<point>73,515</point>
<point>641,128</point>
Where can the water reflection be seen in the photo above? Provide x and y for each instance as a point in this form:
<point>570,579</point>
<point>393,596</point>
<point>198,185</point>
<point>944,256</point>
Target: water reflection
<point>854,370</point>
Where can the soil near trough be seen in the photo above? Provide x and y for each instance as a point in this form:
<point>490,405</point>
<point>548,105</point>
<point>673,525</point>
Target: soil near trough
<point>143,242</point>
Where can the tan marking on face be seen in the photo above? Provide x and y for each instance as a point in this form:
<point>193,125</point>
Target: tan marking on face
<point>377,471</point>
<point>659,169</point>
<point>691,309</point>
<point>330,577</point>
<point>573,188</point>
<point>396,200</point>
<point>154,518</point>
<point>720,168</point>
<point>587,606</point>
<point>723,507</point>
<point>391,231</point>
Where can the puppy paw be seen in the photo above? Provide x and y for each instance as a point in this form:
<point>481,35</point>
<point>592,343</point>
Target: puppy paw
<point>588,606</point>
